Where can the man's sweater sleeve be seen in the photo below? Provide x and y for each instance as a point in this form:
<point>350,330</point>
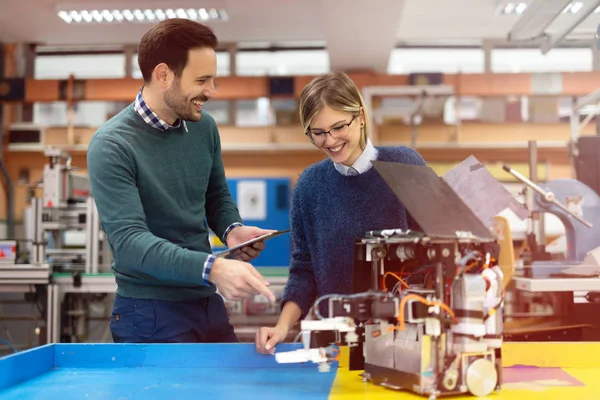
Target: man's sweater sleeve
<point>221,210</point>
<point>112,174</point>
<point>301,287</point>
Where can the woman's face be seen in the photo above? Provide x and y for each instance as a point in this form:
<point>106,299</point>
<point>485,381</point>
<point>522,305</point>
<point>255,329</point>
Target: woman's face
<point>337,133</point>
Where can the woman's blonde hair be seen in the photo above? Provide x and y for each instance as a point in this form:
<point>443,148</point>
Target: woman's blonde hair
<point>335,90</point>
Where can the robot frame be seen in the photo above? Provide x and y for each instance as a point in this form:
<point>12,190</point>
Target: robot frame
<point>438,330</point>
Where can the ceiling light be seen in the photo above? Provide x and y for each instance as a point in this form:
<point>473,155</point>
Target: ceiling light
<point>534,20</point>
<point>141,15</point>
<point>573,7</point>
<point>514,8</point>
<point>576,6</point>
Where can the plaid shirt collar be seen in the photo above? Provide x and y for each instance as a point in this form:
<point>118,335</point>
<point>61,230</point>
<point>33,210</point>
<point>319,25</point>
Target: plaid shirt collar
<point>152,118</point>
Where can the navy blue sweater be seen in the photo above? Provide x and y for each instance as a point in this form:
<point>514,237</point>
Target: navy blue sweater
<point>329,212</point>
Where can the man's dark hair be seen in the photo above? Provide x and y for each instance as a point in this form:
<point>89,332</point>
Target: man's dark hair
<point>169,42</point>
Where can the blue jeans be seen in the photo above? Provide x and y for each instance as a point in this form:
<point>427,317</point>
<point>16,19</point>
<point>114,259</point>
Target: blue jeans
<point>158,321</point>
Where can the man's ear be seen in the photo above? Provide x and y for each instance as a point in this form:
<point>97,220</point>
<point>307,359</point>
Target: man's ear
<point>162,75</point>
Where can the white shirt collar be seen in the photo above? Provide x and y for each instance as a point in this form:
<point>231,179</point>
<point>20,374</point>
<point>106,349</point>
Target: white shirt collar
<point>362,163</point>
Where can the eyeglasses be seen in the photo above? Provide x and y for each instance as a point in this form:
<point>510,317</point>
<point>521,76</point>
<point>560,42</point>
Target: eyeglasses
<point>340,131</point>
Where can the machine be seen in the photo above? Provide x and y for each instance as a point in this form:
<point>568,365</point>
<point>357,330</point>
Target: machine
<point>63,231</point>
<point>556,298</point>
<point>429,324</point>
<point>65,211</point>
<point>578,208</point>
<point>425,314</point>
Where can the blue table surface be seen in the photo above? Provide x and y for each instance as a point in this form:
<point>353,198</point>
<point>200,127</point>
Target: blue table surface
<point>158,371</point>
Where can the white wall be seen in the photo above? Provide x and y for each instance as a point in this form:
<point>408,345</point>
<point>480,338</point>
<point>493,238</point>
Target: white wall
<point>531,60</point>
<point>305,62</point>
<point>451,61</point>
<point>97,66</point>
<point>404,61</point>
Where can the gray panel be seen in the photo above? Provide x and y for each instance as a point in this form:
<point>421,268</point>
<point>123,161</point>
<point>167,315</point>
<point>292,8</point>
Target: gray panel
<point>430,200</point>
<point>379,351</point>
<point>481,192</point>
<point>407,350</point>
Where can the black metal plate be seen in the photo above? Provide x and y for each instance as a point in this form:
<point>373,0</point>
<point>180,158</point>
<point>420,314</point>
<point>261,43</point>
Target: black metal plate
<point>404,380</point>
<point>430,200</point>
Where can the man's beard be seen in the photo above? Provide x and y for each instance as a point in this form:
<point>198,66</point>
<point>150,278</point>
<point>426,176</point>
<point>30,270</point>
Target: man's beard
<point>181,106</point>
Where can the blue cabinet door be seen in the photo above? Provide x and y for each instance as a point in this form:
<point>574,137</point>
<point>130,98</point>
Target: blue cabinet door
<point>264,203</point>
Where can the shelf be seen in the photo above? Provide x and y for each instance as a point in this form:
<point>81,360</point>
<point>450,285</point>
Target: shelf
<point>253,87</point>
<point>557,145</point>
<point>262,147</point>
<point>557,284</point>
<point>24,274</point>
<point>40,148</point>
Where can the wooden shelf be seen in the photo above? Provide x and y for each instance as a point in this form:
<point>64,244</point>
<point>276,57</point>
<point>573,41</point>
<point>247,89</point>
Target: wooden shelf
<point>243,88</point>
<point>268,147</point>
<point>40,148</point>
<point>558,145</point>
<point>294,147</point>
<point>261,147</point>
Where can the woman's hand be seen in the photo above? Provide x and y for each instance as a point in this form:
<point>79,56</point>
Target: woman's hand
<point>267,338</point>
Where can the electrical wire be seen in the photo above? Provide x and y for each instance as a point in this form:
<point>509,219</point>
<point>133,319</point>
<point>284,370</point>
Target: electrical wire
<point>396,287</point>
<point>395,276</point>
<point>6,342</point>
<point>297,338</point>
<point>405,299</point>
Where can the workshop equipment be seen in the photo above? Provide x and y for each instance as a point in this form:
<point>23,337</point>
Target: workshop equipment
<point>9,251</point>
<point>578,208</point>
<point>584,149</point>
<point>62,185</point>
<point>587,161</point>
<point>66,206</point>
<point>426,311</point>
<point>557,299</point>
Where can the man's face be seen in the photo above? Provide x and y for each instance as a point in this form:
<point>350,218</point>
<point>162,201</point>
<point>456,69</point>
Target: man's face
<point>196,86</point>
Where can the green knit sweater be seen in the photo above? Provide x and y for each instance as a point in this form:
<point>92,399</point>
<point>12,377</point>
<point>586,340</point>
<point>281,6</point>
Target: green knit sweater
<point>155,192</point>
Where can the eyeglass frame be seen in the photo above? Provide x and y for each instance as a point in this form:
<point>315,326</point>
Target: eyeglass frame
<point>345,125</point>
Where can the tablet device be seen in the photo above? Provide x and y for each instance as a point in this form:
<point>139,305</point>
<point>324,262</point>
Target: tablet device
<point>250,242</point>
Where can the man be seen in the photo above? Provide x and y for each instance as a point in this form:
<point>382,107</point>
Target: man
<point>158,181</point>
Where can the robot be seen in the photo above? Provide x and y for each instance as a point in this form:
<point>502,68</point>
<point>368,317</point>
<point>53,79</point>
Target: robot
<point>425,313</point>
<point>431,322</point>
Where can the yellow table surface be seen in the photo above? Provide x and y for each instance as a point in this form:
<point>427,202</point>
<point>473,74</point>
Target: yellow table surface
<point>567,371</point>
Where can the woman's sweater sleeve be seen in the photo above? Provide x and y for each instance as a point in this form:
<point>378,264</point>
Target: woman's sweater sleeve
<point>301,287</point>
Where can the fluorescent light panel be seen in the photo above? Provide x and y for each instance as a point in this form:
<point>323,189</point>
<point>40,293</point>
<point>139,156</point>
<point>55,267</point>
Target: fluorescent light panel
<point>536,18</point>
<point>141,15</point>
<point>517,8</point>
<point>573,7</point>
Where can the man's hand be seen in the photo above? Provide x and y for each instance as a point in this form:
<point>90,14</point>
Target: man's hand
<point>241,234</point>
<point>267,338</point>
<point>237,280</point>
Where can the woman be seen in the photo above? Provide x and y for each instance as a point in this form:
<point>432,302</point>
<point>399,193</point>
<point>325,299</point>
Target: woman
<point>334,201</point>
